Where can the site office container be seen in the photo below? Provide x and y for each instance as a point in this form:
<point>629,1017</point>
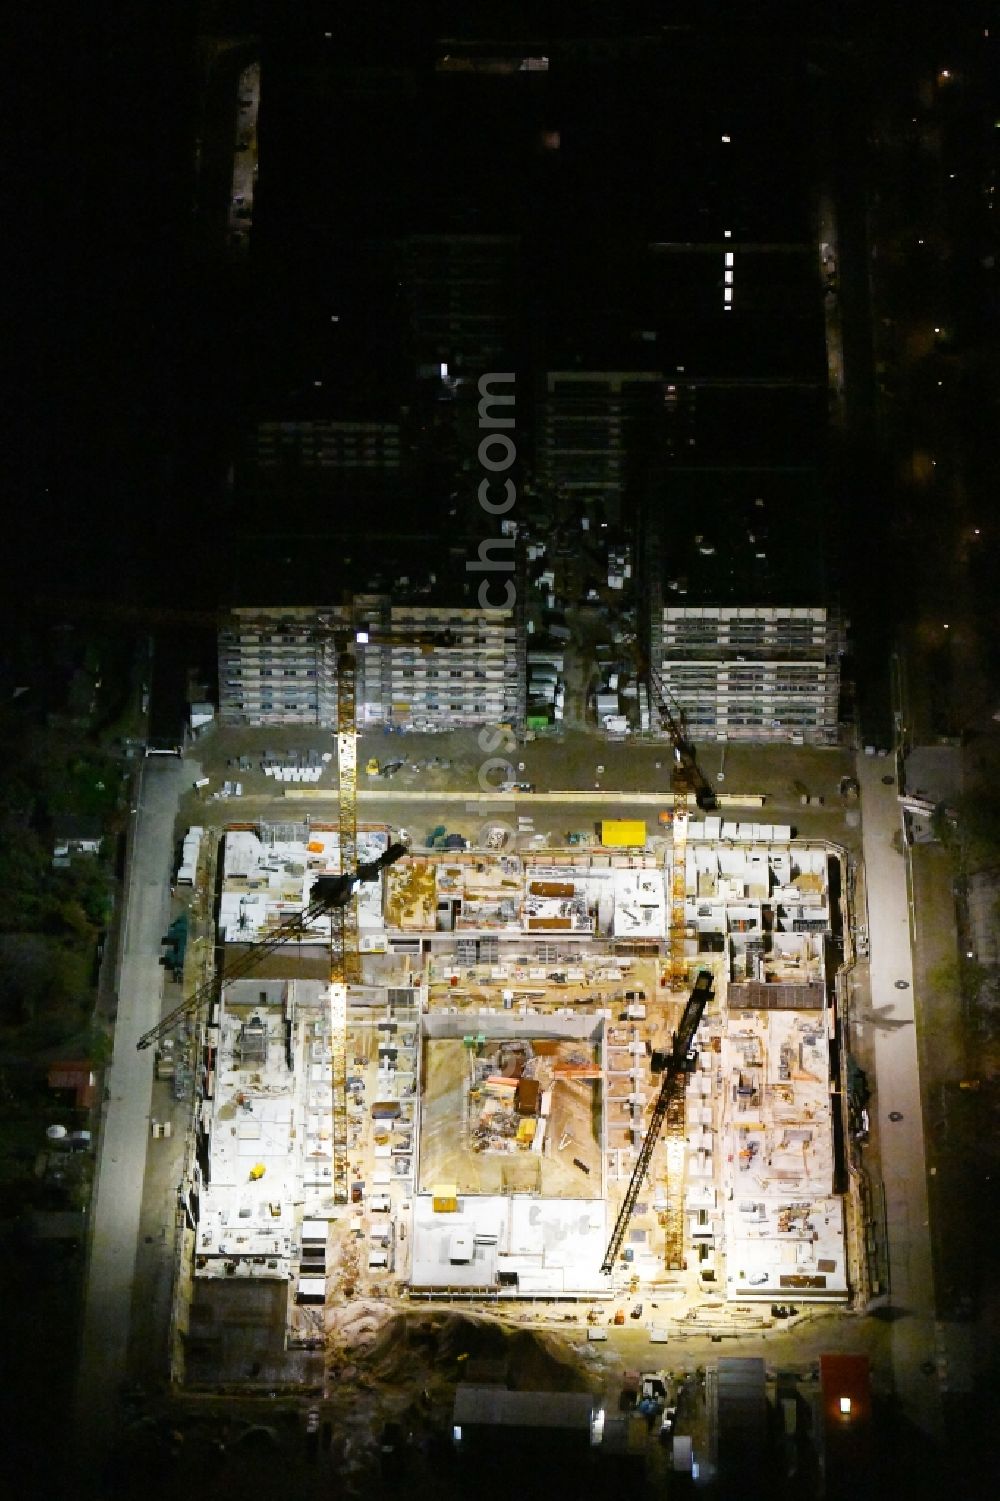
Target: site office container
<point>623,833</point>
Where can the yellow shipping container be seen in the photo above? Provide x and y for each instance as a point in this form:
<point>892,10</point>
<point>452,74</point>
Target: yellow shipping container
<point>444,1198</point>
<point>623,833</point>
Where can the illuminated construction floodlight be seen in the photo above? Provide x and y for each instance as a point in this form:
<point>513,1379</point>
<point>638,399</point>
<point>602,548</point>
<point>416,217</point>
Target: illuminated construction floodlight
<point>361,637</point>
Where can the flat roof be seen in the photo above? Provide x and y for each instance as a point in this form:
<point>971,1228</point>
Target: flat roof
<point>495,1407</point>
<point>267,881</point>
<point>784,1225</point>
<point>554,1246</point>
<point>269,1129</point>
<point>719,546</point>
<point>640,904</point>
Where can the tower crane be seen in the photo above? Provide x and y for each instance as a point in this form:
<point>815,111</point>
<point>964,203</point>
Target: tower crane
<point>669,1108</point>
<point>329,894</point>
<point>338,635</point>
<point>686,778</point>
<point>345,952</point>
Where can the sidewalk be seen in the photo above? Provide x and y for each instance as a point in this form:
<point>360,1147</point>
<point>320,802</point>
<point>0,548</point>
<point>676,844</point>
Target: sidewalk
<point>118,1190</point>
<point>897,1089</point>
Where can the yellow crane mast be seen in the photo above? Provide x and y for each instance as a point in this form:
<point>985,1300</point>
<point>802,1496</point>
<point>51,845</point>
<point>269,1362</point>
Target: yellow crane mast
<point>686,778</point>
<point>345,955</point>
<point>668,1111</point>
<point>345,952</point>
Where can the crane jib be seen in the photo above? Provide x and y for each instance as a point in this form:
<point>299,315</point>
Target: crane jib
<point>670,1095</point>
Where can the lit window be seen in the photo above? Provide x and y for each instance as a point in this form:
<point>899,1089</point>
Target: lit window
<point>729,278</point>
<point>729,257</point>
<point>845,1405</point>
<point>728,294</point>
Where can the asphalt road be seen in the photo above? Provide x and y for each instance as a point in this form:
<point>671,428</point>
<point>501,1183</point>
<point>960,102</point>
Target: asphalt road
<point>118,1195</point>
<point>897,1071</point>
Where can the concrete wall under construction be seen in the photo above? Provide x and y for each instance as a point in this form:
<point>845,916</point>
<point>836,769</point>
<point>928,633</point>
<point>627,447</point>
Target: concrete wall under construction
<point>584,1026</point>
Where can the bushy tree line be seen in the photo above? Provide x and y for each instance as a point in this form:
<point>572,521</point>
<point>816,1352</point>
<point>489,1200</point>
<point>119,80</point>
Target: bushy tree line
<point>50,918</point>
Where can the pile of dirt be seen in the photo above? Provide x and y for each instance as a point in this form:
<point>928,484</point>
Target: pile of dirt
<point>410,1349</point>
<point>538,1362</point>
<point>358,1324</point>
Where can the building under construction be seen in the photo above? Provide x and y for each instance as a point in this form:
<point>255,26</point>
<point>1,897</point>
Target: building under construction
<point>422,667</point>
<point>504,1050</point>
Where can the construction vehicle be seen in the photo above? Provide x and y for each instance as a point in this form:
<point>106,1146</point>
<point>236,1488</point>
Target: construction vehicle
<point>675,1066</point>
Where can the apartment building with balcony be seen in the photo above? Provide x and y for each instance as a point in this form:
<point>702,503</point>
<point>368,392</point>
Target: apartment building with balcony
<point>423,666</point>
<point>739,623</point>
<point>754,672</point>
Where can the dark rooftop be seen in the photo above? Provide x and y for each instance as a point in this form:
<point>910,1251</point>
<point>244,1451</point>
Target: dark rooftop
<point>493,1407</point>
<point>741,537</point>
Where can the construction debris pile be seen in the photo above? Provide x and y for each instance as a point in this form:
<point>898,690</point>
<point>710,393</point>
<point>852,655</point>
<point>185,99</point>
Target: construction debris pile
<point>511,1091</point>
<point>506,1111</point>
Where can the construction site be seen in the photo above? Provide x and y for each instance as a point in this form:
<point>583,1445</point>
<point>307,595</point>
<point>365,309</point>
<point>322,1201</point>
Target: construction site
<point>528,1105</point>
<point>567,1072</point>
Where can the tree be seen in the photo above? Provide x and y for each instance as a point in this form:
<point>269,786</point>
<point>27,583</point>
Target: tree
<point>979,828</point>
